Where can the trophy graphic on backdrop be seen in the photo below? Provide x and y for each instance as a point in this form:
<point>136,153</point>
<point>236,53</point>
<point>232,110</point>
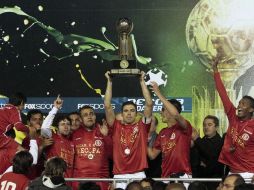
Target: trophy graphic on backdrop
<point>214,30</point>
<point>127,64</point>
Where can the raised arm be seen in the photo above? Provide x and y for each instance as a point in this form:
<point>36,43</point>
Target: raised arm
<point>220,86</point>
<point>45,128</point>
<point>109,112</point>
<point>169,107</point>
<point>148,99</point>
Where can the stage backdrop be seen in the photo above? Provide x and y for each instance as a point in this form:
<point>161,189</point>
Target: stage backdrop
<point>65,47</point>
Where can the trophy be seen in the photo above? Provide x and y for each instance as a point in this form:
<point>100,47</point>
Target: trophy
<point>126,65</point>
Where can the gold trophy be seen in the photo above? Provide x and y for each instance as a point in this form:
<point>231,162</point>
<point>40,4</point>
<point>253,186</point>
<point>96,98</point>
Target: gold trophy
<point>126,65</point>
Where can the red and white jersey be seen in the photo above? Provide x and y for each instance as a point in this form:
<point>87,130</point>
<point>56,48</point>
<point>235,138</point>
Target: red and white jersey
<point>240,135</point>
<point>175,143</point>
<point>63,147</point>
<point>130,147</point>
<point>13,181</point>
<point>9,118</point>
<point>91,157</point>
<point>238,149</point>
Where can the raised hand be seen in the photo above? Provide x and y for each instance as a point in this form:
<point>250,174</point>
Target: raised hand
<point>142,76</point>
<point>46,142</point>
<point>104,128</point>
<point>215,63</point>
<point>108,77</point>
<point>58,103</point>
<point>194,134</point>
<point>154,87</point>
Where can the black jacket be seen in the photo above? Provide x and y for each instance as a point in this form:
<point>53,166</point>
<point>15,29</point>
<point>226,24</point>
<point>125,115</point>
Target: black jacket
<point>45,183</point>
<point>209,150</point>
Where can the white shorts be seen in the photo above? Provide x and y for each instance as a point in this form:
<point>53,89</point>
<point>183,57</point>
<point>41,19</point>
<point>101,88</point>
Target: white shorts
<point>138,175</point>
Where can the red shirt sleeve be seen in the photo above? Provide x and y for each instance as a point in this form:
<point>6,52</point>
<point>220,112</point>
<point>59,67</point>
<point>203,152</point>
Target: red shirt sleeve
<point>15,119</point>
<point>222,92</point>
<point>21,127</point>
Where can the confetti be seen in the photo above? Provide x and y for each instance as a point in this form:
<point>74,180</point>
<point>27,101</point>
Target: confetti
<point>40,8</point>
<point>6,38</point>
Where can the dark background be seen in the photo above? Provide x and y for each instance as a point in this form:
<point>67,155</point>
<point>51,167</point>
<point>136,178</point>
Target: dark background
<point>158,29</point>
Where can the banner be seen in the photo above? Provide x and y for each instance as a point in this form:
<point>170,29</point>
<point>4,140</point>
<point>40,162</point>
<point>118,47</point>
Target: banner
<point>74,104</point>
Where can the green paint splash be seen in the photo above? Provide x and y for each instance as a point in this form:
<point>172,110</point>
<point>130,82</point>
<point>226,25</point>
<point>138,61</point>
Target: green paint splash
<point>85,44</point>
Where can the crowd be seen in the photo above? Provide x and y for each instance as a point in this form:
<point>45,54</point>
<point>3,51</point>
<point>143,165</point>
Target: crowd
<point>39,156</point>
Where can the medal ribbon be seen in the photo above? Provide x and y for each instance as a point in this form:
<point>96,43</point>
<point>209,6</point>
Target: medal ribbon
<point>127,140</point>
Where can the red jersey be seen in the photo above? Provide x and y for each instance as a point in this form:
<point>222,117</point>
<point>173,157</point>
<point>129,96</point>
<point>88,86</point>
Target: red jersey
<point>15,181</point>
<point>130,147</point>
<point>238,149</point>
<point>6,159</point>
<point>174,143</point>
<point>36,170</point>
<point>91,158</point>
<point>9,118</point>
<point>63,147</point>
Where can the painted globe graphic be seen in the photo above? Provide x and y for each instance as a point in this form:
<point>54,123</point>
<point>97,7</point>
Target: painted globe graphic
<point>223,29</point>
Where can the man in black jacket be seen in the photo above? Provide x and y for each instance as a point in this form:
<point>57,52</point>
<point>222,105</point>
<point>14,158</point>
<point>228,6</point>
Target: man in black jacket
<point>209,148</point>
<point>52,177</point>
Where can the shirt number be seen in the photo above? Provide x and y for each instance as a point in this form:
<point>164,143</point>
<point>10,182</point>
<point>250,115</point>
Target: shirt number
<point>7,185</point>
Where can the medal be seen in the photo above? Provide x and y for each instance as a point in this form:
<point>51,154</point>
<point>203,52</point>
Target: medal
<point>232,149</point>
<point>127,151</point>
<point>90,156</point>
<point>128,137</point>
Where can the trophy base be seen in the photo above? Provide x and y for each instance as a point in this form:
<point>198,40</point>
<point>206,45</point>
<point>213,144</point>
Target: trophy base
<point>125,72</point>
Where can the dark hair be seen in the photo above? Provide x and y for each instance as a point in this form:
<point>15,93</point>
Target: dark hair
<point>197,185</point>
<point>17,98</point>
<point>88,186</point>
<point>22,161</point>
<point>134,185</point>
<point>129,103</point>
<point>177,104</point>
<point>60,118</point>
<point>55,166</point>
<point>178,186</point>
<point>250,99</point>
<point>244,186</point>
<point>85,107</point>
<point>32,112</point>
<point>214,118</point>
<point>159,185</point>
<point>73,113</point>
<point>239,180</point>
